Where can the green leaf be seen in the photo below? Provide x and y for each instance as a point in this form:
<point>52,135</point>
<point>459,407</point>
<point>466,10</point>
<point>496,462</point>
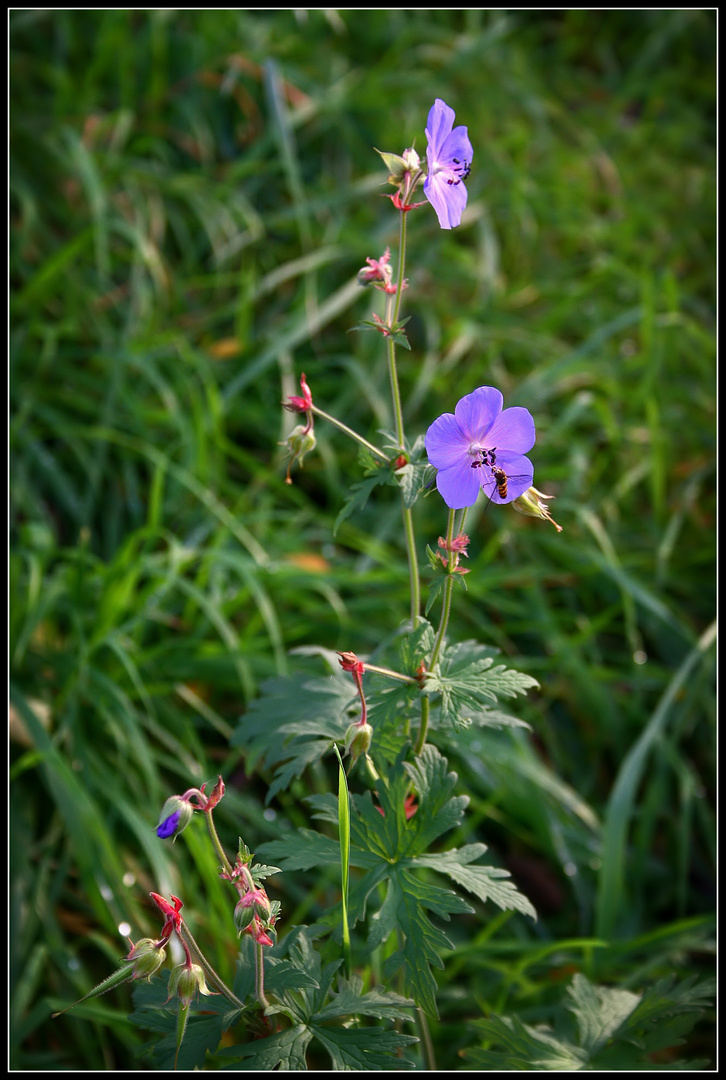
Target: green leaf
<point>524,1048</point>
<point>599,1011</point>
<point>468,682</point>
<point>380,1003</point>
<point>259,872</point>
<point>617,1030</point>
<point>316,1013</point>
<point>396,332</point>
<point>360,492</point>
<point>485,882</point>
<point>285,1050</point>
<point>203,1033</point>
<point>303,851</point>
<point>435,586</point>
<point>344,840</point>
<point>439,810</point>
<point>403,911</point>
<point>294,723</point>
<point>369,1048</point>
<point>393,849</point>
<point>410,478</point>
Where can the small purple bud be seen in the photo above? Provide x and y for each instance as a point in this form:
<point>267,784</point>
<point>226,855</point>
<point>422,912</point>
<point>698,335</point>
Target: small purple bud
<point>168,826</point>
<point>176,813</point>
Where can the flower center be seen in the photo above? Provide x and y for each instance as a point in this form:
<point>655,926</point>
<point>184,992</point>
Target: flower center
<point>482,455</point>
<point>453,171</point>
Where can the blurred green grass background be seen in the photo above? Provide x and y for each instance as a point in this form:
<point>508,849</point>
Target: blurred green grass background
<point>192,194</point>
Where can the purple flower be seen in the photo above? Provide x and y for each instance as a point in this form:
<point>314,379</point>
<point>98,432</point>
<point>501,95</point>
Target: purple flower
<point>481,448</point>
<point>449,155</point>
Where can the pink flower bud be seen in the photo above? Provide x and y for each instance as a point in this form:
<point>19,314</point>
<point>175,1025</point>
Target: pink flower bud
<point>254,904</point>
<point>300,404</point>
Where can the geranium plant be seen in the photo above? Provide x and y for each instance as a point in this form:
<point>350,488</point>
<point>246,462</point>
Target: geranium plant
<point>383,719</point>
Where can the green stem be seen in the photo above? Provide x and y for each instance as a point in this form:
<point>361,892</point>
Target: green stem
<point>428,1046</point>
<point>216,842</point>
<point>445,613</point>
<point>412,565</point>
<point>260,976</point>
<point>349,431</point>
<point>448,587</point>
<point>423,729</point>
<point>391,674</point>
<point>393,308</point>
<point>401,264</point>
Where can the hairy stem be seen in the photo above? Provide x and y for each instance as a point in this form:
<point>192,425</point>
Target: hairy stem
<point>216,842</point>
<point>448,587</point>
<point>349,431</point>
<point>393,307</point>
<point>212,977</point>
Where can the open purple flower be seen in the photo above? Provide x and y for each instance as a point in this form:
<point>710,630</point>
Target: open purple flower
<point>481,448</point>
<point>449,155</point>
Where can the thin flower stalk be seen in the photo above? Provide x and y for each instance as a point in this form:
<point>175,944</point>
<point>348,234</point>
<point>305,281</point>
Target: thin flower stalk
<point>448,588</point>
<point>443,624</point>
<point>190,946</point>
<point>260,976</point>
<point>393,306</point>
<point>390,674</point>
<point>349,431</point>
<point>211,829</point>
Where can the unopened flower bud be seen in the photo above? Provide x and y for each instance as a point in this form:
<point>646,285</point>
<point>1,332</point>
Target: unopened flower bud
<point>350,662</point>
<point>403,170</point>
<point>411,160</point>
<point>358,740</point>
<point>396,165</point>
<point>259,932</point>
<point>147,956</point>
<point>299,443</point>
<point>176,813</point>
<point>253,904</point>
<point>377,270</point>
<point>295,403</point>
<point>532,504</point>
<point>185,980</point>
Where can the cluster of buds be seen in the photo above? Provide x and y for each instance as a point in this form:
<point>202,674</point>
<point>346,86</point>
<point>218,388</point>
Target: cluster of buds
<point>187,978</point>
<point>404,170</point>
<point>178,810</point>
<point>379,273</point>
<point>457,549</point>
<point>253,914</point>
<point>301,439</point>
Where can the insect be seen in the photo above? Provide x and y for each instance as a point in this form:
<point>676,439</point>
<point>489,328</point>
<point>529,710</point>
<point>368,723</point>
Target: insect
<point>498,477</point>
<point>501,478</point>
